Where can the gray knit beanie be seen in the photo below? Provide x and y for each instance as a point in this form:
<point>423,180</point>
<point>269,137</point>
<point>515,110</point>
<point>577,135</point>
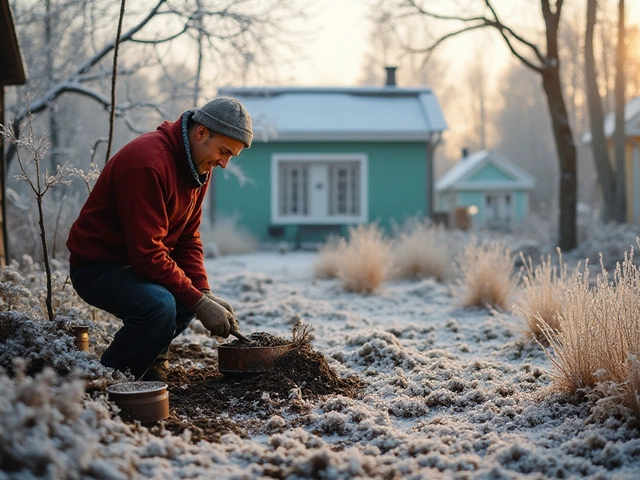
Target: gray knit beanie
<point>226,116</point>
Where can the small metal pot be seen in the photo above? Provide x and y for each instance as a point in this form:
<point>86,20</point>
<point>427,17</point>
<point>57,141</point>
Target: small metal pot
<point>82,337</point>
<point>146,402</point>
<point>249,359</point>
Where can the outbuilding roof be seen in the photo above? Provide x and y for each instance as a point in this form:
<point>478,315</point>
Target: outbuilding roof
<point>341,113</point>
<point>464,174</point>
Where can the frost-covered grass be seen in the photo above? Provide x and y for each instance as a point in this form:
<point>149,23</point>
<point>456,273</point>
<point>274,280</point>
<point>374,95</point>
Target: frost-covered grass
<point>598,345</point>
<point>330,256</point>
<point>363,262</point>
<point>544,294</point>
<point>422,250</point>
<point>486,275</point>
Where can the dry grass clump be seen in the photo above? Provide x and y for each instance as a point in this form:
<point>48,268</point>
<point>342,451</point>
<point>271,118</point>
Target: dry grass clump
<point>362,263</point>
<point>329,257</point>
<point>420,250</point>
<point>544,295</point>
<point>598,345</point>
<point>487,275</point>
<point>230,238</point>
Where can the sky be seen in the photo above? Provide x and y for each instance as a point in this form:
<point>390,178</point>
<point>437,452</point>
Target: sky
<point>341,36</point>
<point>342,30</point>
<point>336,55</point>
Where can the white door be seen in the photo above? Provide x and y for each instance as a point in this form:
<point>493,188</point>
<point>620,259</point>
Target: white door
<point>498,210</point>
<point>319,190</point>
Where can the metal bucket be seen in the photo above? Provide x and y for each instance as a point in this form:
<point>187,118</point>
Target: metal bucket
<point>146,402</point>
<point>249,359</point>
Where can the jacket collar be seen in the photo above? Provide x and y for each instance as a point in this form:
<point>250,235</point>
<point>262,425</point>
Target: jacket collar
<point>199,179</point>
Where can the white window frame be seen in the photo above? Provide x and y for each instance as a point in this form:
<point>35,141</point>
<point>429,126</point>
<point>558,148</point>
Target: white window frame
<point>278,158</point>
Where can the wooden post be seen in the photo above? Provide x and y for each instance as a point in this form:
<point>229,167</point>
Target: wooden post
<point>4,241</point>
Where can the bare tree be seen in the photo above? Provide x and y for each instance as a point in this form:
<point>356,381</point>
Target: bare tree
<point>619,136</point>
<point>611,179</point>
<point>236,35</point>
<point>543,61</point>
<point>606,174</point>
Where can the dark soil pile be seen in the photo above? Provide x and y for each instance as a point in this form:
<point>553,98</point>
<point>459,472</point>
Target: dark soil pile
<point>210,404</point>
<point>260,339</point>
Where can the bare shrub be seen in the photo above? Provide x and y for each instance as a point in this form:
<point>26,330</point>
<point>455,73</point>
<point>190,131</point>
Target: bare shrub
<point>487,275</point>
<point>40,183</point>
<point>598,344</point>
<point>420,250</point>
<point>544,294</point>
<point>230,238</point>
<point>330,256</point>
<point>366,260</point>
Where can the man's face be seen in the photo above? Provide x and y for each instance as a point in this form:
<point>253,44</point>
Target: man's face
<point>210,152</point>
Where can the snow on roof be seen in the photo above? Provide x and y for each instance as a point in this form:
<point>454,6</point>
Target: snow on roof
<point>631,118</point>
<point>351,113</point>
<point>456,178</point>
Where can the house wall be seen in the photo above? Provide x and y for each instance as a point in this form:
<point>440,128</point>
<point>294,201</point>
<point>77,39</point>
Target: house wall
<point>467,198</point>
<point>397,181</point>
<point>632,158</point>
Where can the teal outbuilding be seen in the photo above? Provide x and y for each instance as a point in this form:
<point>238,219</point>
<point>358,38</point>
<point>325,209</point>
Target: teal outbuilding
<point>326,158</point>
<point>490,188</point>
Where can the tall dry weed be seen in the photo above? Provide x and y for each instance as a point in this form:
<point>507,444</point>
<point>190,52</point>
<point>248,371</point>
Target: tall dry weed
<point>544,294</point>
<point>487,278</point>
<point>421,250</point>
<point>598,344</point>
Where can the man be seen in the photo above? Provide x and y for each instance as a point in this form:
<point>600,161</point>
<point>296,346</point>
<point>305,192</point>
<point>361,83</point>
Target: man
<point>135,249</point>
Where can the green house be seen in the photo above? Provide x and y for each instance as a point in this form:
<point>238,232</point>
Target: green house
<point>490,188</point>
<point>326,158</point>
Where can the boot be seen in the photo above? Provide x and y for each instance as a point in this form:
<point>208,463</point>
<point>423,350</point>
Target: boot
<point>159,369</point>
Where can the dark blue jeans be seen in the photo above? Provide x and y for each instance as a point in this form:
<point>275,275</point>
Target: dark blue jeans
<point>150,314</point>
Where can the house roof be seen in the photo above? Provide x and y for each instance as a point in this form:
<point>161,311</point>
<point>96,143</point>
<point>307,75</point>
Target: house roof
<point>11,65</point>
<point>631,119</point>
<point>464,175</point>
<point>348,113</point>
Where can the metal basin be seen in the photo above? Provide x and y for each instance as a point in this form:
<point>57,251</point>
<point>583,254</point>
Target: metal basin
<point>146,402</point>
<point>249,359</point>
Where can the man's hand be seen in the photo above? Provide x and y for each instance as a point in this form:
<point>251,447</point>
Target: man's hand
<point>213,316</point>
<point>233,322</point>
<point>219,301</point>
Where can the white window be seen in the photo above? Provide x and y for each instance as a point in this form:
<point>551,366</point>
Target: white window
<point>318,188</point>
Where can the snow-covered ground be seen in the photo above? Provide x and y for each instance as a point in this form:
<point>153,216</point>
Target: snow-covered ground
<point>449,393</point>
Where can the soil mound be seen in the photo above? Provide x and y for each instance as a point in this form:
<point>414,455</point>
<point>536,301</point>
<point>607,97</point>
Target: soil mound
<point>207,402</point>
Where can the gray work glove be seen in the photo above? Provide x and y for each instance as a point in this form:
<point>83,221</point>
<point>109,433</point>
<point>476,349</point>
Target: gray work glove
<point>219,301</point>
<point>213,316</point>
<point>234,323</point>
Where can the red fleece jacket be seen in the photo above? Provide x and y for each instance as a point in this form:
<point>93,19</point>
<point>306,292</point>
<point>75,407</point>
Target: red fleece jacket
<point>145,211</point>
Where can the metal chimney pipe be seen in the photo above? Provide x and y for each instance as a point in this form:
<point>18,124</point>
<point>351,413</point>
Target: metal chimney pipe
<point>391,76</point>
